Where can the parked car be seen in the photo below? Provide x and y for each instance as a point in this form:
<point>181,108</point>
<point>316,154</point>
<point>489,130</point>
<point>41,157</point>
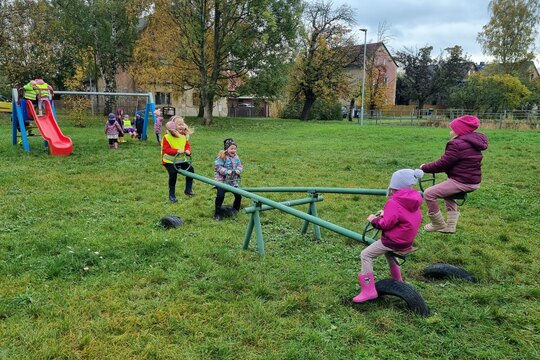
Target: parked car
<point>344,112</point>
<point>5,104</point>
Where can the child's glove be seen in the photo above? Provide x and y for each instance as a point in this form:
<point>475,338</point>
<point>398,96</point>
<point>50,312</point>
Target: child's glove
<point>371,217</point>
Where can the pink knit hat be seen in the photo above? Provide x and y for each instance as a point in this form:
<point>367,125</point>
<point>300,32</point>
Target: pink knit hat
<point>464,125</point>
<point>171,125</point>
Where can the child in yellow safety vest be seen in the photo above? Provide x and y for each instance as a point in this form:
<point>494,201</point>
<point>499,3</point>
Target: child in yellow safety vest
<point>174,148</point>
<point>45,92</point>
<point>128,126</point>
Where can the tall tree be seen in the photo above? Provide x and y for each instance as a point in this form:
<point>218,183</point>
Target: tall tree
<point>157,59</point>
<point>228,39</point>
<point>326,42</point>
<point>510,34</point>
<point>105,31</point>
<point>32,44</point>
<point>453,68</point>
<point>491,93</point>
<point>419,80</point>
<point>376,83</point>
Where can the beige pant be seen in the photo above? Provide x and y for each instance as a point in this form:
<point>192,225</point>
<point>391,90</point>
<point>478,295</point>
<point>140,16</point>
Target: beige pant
<point>446,188</point>
<point>372,252</point>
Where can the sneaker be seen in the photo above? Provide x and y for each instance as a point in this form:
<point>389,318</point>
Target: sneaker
<point>173,199</point>
<point>189,193</point>
<point>217,217</point>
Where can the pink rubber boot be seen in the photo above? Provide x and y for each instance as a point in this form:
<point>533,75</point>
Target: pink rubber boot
<point>368,292</point>
<point>395,272</point>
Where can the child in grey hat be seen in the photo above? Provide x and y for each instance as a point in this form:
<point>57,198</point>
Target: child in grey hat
<point>399,222</point>
<point>227,169</point>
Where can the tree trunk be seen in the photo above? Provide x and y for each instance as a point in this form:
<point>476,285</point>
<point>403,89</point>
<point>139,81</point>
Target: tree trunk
<point>351,107</point>
<point>207,116</point>
<point>208,100</point>
<point>308,103</point>
<point>110,86</point>
<point>200,114</point>
<point>420,107</point>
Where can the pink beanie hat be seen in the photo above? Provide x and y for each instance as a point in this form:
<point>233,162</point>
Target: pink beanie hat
<point>171,125</point>
<point>464,125</point>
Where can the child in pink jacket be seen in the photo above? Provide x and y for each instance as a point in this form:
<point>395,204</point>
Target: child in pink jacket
<point>399,222</point>
<point>462,162</point>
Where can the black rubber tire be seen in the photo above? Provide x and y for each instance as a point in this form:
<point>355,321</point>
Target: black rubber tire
<point>413,299</point>
<point>447,271</point>
<point>228,211</point>
<point>171,222</point>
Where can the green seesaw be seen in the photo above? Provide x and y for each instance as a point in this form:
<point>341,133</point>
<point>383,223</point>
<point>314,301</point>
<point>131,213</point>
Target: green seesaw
<point>391,287</point>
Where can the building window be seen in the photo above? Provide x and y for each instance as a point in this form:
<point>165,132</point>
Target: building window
<point>163,98</point>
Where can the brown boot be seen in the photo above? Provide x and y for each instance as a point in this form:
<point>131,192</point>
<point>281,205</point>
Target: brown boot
<point>451,222</point>
<point>437,222</point>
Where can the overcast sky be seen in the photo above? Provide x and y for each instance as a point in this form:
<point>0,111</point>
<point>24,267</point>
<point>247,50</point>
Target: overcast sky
<point>416,23</point>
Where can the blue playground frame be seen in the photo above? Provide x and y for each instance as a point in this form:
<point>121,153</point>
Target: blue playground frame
<point>19,114</point>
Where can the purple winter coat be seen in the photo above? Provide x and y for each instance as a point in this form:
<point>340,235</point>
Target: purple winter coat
<point>158,124</point>
<point>462,159</point>
<point>401,221</point>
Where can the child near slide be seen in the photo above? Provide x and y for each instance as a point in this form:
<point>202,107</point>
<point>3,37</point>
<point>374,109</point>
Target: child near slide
<point>158,125</point>
<point>112,129</point>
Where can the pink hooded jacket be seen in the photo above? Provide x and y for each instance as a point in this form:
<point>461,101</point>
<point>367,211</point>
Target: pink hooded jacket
<point>401,221</point>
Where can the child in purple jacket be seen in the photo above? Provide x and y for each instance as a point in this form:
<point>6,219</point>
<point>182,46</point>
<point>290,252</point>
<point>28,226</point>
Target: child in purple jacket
<point>399,222</point>
<point>112,129</point>
<point>158,125</point>
<point>462,162</point>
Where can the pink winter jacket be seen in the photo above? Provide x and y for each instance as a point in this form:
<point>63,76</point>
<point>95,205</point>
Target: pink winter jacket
<point>401,221</point>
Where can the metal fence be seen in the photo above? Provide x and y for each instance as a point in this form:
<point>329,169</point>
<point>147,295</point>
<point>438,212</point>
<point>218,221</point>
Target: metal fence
<point>247,111</point>
<point>518,119</point>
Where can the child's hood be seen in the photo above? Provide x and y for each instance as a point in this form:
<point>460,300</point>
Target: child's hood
<point>409,199</point>
<point>477,140</point>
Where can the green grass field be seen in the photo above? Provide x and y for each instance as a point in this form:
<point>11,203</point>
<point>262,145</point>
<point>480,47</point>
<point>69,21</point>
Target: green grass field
<point>87,272</point>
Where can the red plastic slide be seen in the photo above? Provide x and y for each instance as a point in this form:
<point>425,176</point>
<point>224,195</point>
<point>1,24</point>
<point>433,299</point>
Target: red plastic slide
<point>59,144</point>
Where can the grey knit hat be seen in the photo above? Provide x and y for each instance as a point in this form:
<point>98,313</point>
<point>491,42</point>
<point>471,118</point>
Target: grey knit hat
<point>228,142</point>
<point>405,178</point>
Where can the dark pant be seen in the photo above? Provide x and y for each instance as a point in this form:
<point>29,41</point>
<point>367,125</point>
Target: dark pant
<point>173,175</point>
<point>220,196</point>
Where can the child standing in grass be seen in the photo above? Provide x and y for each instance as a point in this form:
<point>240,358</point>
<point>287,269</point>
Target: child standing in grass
<point>462,162</point>
<point>139,125</point>
<point>158,125</point>
<point>119,120</point>
<point>176,142</point>
<point>112,129</point>
<point>399,222</point>
<point>227,169</point>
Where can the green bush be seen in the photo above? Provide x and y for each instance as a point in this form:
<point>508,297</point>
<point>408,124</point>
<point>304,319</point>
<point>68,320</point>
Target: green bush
<point>326,110</point>
<point>291,110</point>
<point>321,110</point>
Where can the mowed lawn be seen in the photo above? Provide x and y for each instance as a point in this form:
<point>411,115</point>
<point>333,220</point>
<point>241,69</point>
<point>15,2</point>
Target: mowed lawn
<point>86,271</point>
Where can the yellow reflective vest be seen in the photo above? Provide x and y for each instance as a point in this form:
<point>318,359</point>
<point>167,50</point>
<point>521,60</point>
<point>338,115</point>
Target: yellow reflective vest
<point>43,90</point>
<point>29,92</point>
<point>175,143</point>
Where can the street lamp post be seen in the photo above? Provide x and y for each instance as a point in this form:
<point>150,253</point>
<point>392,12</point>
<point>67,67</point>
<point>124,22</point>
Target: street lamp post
<point>363,78</point>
